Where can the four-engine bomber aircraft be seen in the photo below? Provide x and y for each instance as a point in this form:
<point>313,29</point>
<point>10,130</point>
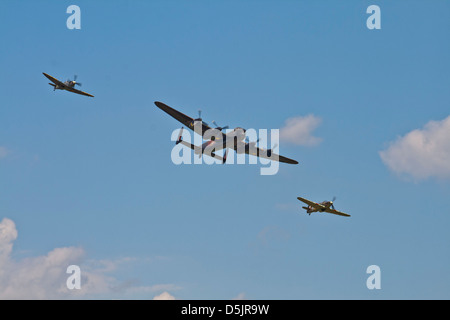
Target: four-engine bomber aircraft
<point>69,85</point>
<point>325,206</point>
<point>217,140</point>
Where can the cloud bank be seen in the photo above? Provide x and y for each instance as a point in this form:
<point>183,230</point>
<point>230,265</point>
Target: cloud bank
<point>298,130</point>
<point>421,153</point>
<point>45,277</point>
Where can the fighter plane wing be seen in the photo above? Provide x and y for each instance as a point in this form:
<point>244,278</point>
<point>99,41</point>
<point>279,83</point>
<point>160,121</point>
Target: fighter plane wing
<point>184,119</point>
<point>78,91</point>
<point>329,210</point>
<point>312,204</point>
<point>255,151</point>
<point>63,85</point>
<point>54,80</point>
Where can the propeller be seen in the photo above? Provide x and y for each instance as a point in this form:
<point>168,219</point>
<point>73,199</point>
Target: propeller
<point>75,80</point>
<point>332,205</point>
<point>217,126</point>
<point>200,117</point>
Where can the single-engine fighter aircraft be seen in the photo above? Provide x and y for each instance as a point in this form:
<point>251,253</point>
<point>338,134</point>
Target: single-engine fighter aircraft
<point>217,140</point>
<point>325,206</point>
<point>69,85</point>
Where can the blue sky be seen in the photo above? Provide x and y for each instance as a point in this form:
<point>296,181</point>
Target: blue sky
<point>90,181</point>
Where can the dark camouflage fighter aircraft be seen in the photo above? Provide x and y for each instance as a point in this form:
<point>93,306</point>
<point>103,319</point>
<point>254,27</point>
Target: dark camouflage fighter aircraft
<point>69,85</point>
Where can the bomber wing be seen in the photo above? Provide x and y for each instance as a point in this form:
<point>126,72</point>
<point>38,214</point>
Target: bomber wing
<point>262,153</point>
<point>184,119</point>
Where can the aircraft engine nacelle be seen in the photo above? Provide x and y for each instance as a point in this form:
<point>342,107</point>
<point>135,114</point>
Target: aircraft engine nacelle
<point>239,133</point>
<point>269,151</point>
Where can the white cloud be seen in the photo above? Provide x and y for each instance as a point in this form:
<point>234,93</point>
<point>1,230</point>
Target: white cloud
<point>164,296</point>
<point>298,130</point>
<point>240,296</point>
<point>3,152</point>
<point>140,290</point>
<point>421,153</point>
<point>8,234</point>
<point>45,277</point>
<point>42,277</point>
